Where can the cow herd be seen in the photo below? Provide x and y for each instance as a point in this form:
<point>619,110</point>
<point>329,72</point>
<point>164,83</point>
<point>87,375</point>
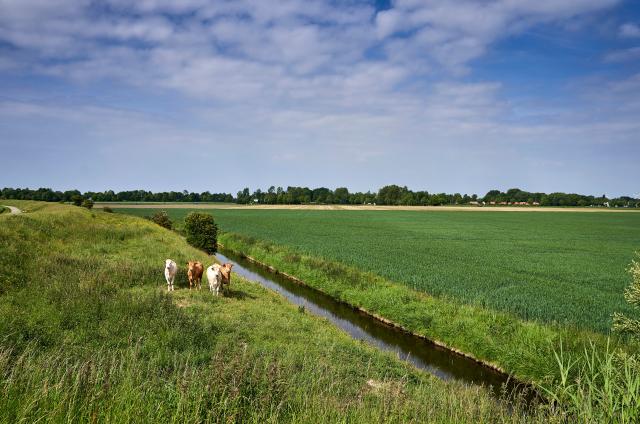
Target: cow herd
<point>217,275</point>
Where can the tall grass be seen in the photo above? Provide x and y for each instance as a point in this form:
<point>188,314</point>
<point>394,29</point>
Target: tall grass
<point>596,386</point>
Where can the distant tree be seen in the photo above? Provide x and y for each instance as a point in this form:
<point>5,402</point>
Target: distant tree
<point>341,195</point>
<point>162,219</point>
<point>391,194</point>
<point>77,199</point>
<point>202,231</point>
<point>622,323</point>
<point>244,196</point>
<point>87,203</point>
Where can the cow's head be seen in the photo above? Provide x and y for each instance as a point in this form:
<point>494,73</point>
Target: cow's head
<point>168,263</point>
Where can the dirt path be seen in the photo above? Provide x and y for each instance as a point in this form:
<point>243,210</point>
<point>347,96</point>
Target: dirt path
<point>14,210</point>
<point>180,205</point>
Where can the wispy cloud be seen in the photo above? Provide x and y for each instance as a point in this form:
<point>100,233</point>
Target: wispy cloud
<point>630,30</point>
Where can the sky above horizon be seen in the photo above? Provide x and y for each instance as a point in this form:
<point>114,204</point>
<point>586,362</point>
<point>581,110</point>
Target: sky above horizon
<point>443,96</point>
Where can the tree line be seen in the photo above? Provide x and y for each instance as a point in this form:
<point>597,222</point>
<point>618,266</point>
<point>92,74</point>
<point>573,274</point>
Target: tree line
<point>387,195</point>
<point>49,195</point>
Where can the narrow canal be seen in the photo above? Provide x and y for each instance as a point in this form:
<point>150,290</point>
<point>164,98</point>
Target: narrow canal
<point>423,354</point>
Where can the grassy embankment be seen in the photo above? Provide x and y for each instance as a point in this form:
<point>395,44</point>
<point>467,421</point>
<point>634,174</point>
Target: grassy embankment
<point>88,333</point>
<point>3,209</point>
<point>509,286</point>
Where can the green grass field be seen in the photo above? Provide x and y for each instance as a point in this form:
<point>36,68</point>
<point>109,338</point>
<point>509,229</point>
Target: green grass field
<point>88,333</point>
<point>565,268</point>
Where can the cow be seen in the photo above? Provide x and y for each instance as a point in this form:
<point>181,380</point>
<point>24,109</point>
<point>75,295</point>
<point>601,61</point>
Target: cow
<point>170,271</point>
<point>226,273</point>
<point>215,278</point>
<point>194,272</point>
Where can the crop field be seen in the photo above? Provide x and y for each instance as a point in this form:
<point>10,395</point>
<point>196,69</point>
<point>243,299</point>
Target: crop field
<point>565,268</point>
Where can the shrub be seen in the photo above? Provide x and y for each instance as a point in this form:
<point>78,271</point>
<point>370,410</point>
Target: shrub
<point>76,199</point>
<point>202,231</point>
<point>87,203</point>
<point>625,324</point>
<point>162,219</point>
<point>107,209</point>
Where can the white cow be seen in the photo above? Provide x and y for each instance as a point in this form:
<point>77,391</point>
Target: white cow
<point>170,271</point>
<point>215,278</point>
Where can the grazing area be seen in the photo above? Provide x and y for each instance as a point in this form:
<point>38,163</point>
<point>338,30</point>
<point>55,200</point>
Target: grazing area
<point>88,332</point>
<point>564,268</point>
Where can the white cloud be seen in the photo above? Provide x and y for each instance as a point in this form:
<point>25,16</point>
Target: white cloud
<point>453,33</point>
<point>629,30</point>
<point>624,55</point>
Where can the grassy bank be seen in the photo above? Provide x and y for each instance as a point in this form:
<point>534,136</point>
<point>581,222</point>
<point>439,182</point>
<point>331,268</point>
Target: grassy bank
<point>88,333</point>
<point>521,263</point>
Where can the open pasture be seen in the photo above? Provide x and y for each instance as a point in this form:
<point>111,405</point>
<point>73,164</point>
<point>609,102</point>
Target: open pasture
<point>567,268</point>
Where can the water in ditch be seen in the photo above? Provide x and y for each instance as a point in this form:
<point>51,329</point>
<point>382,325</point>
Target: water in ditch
<point>423,354</point>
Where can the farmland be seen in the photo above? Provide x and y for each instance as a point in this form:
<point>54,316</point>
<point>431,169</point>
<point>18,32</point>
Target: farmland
<point>525,264</point>
<point>90,334</point>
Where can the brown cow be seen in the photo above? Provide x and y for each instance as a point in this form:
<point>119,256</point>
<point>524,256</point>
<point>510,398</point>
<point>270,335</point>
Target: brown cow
<point>194,272</point>
<point>225,269</point>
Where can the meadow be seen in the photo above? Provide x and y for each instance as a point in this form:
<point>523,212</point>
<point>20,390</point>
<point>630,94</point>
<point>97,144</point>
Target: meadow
<point>89,333</point>
<point>559,268</point>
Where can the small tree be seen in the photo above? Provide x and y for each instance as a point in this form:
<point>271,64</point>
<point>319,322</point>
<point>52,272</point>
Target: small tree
<point>162,219</point>
<point>622,323</point>
<point>107,209</point>
<point>202,231</point>
<point>77,199</point>
<point>87,203</point>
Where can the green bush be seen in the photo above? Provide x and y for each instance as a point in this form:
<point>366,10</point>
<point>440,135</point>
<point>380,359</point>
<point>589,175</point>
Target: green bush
<point>162,219</point>
<point>107,209</point>
<point>87,203</point>
<point>622,323</point>
<point>76,199</point>
<point>202,231</point>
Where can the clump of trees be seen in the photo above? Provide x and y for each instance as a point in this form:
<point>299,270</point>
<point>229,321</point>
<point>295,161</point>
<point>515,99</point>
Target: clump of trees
<point>202,231</point>
<point>622,323</point>
<point>515,195</point>
<point>162,219</point>
<point>87,203</point>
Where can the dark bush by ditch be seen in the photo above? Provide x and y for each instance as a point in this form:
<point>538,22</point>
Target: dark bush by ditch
<point>202,231</point>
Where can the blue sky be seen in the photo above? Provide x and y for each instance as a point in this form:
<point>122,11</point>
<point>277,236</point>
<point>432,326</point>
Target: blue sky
<point>461,96</point>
